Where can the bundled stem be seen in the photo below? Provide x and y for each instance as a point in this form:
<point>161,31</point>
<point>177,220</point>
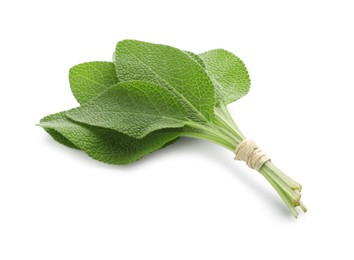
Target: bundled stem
<point>288,189</point>
<point>224,131</point>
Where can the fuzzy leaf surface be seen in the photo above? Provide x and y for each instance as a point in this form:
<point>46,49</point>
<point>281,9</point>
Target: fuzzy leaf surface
<point>229,74</point>
<point>88,80</point>
<point>171,68</point>
<point>196,58</point>
<point>106,145</point>
<point>59,137</point>
<point>134,108</point>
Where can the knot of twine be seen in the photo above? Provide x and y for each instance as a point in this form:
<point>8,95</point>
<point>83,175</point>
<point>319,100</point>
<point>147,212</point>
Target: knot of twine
<point>249,152</point>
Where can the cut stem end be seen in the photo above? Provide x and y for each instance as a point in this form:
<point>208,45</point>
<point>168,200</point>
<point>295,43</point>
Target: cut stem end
<point>288,189</point>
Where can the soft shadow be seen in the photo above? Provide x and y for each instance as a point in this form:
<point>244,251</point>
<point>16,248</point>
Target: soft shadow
<point>80,155</point>
<point>225,160</point>
<point>210,151</point>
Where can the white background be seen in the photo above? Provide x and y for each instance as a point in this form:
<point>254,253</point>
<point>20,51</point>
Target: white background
<point>190,200</point>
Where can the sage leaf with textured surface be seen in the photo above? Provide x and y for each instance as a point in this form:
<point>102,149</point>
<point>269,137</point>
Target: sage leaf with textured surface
<point>228,73</point>
<point>134,108</point>
<point>104,144</point>
<point>169,67</point>
<point>88,80</point>
<point>162,93</point>
<point>196,58</point>
<point>57,136</point>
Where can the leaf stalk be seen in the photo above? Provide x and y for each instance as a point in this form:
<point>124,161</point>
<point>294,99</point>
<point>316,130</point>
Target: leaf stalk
<point>224,131</point>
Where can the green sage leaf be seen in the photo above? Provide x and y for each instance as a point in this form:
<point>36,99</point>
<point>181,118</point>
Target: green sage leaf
<point>196,58</point>
<point>59,137</point>
<point>134,108</point>
<point>229,74</point>
<point>171,68</point>
<point>104,144</point>
<point>88,80</point>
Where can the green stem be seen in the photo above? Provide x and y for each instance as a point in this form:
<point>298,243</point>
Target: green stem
<point>209,132</point>
<point>223,130</point>
<point>200,135</point>
<point>288,189</point>
<point>295,197</point>
<point>282,194</point>
<point>230,119</point>
<point>220,120</point>
<point>290,182</point>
